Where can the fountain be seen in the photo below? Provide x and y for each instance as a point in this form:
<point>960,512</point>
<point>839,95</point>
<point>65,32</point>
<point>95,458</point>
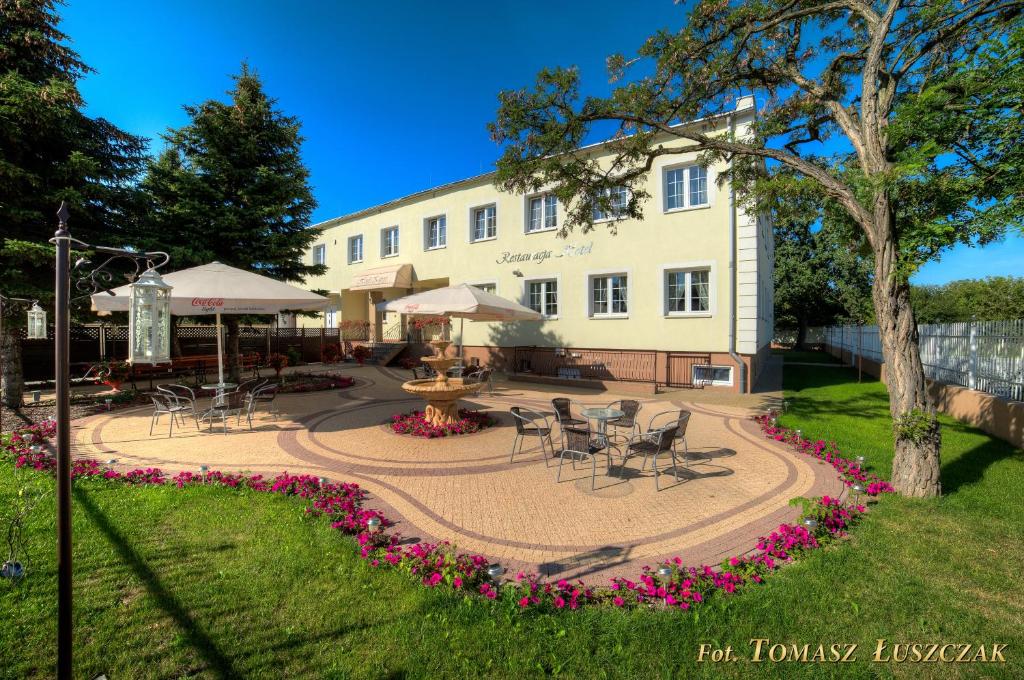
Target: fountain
<point>441,393</point>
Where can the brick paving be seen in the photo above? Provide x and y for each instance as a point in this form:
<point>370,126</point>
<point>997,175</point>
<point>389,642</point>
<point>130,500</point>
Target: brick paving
<point>464,489</point>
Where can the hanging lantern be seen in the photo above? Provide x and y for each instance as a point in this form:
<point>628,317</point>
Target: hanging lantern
<point>36,322</point>
<point>149,320</point>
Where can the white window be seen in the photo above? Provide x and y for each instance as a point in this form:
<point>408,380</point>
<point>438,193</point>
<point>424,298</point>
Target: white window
<point>542,213</point>
<point>687,291</point>
<point>609,295</point>
<point>435,232</point>
<point>489,287</point>
<point>331,318</point>
<point>686,187</point>
<point>355,248</point>
<point>542,297</point>
<point>485,223</point>
<point>319,254</point>
<point>619,199</point>
<point>389,242</point>
<point>712,375</point>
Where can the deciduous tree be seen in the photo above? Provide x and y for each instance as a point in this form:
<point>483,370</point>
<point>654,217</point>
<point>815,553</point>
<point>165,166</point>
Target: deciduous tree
<point>834,71</point>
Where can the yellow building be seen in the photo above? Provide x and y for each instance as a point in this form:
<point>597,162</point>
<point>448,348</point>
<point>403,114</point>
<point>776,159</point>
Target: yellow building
<point>682,297</point>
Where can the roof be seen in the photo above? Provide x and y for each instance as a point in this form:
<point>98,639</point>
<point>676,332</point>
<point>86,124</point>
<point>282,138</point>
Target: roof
<point>743,104</point>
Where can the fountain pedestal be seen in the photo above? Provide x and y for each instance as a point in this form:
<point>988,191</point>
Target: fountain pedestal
<point>442,394</point>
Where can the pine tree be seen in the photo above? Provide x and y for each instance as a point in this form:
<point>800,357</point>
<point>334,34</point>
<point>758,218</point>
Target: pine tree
<point>231,187</point>
<point>51,151</point>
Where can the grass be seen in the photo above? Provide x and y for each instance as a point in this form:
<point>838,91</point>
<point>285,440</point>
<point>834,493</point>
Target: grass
<point>209,582</point>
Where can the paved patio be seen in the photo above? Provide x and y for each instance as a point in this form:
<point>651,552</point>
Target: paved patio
<point>464,489</point>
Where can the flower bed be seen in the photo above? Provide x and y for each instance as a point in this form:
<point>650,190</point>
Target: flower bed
<point>415,423</point>
<point>670,585</point>
<point>313,382</point>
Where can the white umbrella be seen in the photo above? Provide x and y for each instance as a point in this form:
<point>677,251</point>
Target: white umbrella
<point>464,302</point>
<point>217,289</point>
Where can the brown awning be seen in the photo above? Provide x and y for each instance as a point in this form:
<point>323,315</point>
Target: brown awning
<point>393,276</point>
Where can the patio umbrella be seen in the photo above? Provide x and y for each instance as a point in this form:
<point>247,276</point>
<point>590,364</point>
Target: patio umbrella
<point>463,302</point>
<point>217,289</point>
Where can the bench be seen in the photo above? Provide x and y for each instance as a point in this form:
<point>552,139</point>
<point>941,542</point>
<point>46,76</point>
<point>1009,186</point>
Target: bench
<point>195,366</point>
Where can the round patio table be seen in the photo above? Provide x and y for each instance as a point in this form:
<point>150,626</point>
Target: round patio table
<point>602,416</point>
<point>218,389</point>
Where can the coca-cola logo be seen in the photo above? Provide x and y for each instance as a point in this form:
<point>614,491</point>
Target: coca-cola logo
<point>207,302</point>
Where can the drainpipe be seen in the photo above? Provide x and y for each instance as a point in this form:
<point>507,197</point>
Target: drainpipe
<point>741,366</point>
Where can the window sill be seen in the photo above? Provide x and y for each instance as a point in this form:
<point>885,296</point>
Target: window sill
<point>689,315</point>
<point>483,240</point>
<point>355,261</point>
<point>688,208</point>
<point>384,257</point>
<point>429,248</point>
<point>540,231</point>
<point>609,316</point>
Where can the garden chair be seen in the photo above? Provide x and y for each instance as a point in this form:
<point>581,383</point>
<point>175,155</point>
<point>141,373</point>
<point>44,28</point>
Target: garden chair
<point>165,404</point>
<point>682,419</point>
<point>233,404</point>
<point>483,375</point>
<point>563,414</point>
<point>628,421</point>
<point>263,395</point>
<point>652,444</point>
<point>185,397</point>
<point>579,445</point>
<point>528,425</point>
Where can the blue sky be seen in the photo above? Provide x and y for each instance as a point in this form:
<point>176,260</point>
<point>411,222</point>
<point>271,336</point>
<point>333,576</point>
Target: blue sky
<point>394,96</point>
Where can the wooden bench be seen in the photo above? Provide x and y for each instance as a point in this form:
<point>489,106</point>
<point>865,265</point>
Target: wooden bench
<point>195,366</point>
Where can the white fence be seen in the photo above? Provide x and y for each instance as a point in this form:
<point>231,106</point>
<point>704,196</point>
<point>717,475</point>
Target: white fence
<point>981,355</point>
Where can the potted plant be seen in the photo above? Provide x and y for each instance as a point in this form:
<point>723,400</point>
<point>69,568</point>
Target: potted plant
<point>361,353</point>
<point>330,353</point>
<point>277,362</point>
<point>113,373</point>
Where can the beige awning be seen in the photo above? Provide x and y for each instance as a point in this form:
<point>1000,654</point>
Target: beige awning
<point>393,276</point>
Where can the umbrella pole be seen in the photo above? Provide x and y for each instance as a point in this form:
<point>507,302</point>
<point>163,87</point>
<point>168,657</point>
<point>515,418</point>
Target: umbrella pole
<point>462,330</point>
<point>220,354</point>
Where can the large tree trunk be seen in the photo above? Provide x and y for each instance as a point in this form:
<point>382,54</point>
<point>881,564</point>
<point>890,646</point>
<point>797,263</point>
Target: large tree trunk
<point>231,350</point>
<point>915,465</point>
<point>801,333</point>
<point>12,377</point>
<point>175,340</point>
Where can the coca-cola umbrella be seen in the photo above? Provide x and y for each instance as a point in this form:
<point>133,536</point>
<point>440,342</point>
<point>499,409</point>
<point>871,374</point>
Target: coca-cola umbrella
<point>215,289</point>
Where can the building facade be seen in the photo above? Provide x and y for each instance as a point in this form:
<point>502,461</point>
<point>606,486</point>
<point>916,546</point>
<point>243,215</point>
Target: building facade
<point>683,296</point>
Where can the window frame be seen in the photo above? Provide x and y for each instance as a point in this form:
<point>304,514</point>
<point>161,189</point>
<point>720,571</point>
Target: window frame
<point>543,198</point>
<point>384,241</point>
<point>687,169</point>
<point>320,248</point>
<point>485,282</point>
<point>697,265</point>
<point>442,219</point>
<point>713,382</point>
<point>362,248</point>
<point>618,214</point>
<point>591,276</point>
<point>472,222</point>
<point>544,279</point>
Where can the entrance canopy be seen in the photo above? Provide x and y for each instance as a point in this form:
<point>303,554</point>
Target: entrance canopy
<point>216,288</point>
<point>462,301</point>
<point>393,276</point>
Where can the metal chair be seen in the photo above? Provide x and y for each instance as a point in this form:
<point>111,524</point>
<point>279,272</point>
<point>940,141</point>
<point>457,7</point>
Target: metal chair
<point>652,444</point>
<point>165,404</point>
<point>563,414</point>
<point>682,419</point>
<point>483,375</point>
<point>579,445</point>
<point>233,404</point>
<point>527,425</point>
<point>185,397</point>
<point>630,408</point>
<point>265,395</point>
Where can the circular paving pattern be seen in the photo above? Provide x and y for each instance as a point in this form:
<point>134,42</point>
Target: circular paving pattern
<point>470,490</point>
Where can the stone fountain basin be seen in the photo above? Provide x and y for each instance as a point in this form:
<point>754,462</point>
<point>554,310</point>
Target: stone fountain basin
<point>436,390</point>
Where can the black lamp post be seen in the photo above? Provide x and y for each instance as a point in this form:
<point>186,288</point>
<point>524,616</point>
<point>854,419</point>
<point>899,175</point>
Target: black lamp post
<point>155,327</point>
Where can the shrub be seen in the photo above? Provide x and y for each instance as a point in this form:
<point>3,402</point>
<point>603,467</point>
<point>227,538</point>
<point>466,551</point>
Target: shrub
<point>278,362</point>
<point>361,353</point>
<point>330,353</point>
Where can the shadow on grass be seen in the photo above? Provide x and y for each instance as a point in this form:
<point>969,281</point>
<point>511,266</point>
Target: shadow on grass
<point>193,633</point>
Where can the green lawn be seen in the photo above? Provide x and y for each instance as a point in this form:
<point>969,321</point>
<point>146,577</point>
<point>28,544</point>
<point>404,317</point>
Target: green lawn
<point>211,582</point>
